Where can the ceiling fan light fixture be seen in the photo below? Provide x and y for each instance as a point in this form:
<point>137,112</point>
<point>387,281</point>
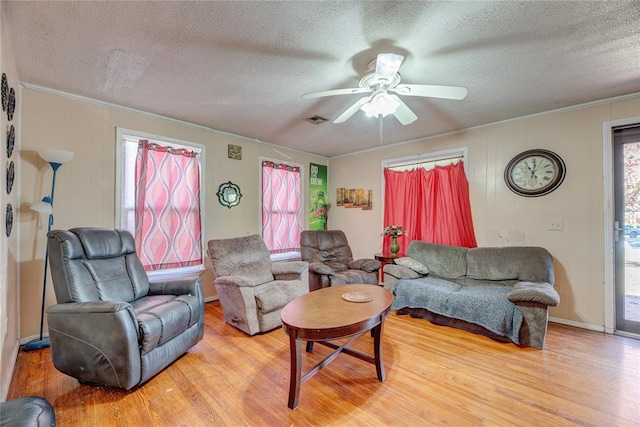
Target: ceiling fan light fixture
<point>382,104</point>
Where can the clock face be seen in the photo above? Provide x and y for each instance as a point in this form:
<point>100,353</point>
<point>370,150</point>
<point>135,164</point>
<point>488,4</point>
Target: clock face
<point>534,173</point>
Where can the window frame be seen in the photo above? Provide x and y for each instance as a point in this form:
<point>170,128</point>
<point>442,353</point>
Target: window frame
<point>283,255</point>
<point>121,137</point>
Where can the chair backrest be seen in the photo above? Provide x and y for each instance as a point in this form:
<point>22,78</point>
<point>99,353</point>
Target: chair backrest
<point>95,264</point>
<point>326,246</point>
<point>241,256</point>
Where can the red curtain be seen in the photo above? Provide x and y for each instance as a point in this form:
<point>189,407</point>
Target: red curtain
<point>281,205</point>
<point>168,220</point>
<point>432,205</point>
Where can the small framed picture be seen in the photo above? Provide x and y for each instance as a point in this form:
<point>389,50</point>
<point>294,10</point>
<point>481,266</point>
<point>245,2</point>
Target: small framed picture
<point>234,152</point>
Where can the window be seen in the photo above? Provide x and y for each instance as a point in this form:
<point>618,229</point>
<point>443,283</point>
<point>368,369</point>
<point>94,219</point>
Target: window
<point>160,201</point>
<point>429,196</point>
<point>281,208</point>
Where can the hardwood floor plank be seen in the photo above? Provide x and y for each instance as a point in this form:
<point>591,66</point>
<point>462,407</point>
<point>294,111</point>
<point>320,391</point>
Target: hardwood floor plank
<point>435,376</point>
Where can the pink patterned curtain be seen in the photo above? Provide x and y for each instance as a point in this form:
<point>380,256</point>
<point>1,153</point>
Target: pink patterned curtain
<point>432,205</point>
<point>167,210</point>
<point>281,204</point>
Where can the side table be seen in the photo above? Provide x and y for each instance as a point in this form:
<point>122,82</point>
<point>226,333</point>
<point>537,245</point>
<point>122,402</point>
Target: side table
<point>386,258</point>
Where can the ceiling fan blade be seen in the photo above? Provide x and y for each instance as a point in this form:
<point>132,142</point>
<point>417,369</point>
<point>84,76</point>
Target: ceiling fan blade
<point>387,65</point>
<point>403,113</point>
<point>432,91</point>
<point>349,91</point>
<point>352,110</point>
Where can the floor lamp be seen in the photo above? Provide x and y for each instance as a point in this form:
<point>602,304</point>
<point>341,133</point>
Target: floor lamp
<point>55,158</point>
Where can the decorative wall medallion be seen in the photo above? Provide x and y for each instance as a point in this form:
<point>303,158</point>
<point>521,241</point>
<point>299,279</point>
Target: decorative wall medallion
<point>234,152</point>
<point>11,139</point>
<point>5,92</point>
<point>8,223</point>
<point>10,175</point>
<point>11,104</point>
<point>229,194</point>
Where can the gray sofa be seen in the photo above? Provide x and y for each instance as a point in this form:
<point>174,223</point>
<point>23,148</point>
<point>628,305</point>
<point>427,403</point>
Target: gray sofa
<point>503,293</point>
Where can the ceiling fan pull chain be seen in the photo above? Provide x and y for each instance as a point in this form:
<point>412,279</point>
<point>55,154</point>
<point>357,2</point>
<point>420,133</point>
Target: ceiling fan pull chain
<point>380,127</point>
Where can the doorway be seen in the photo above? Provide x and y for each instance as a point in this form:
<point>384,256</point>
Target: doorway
<point>626,184</point>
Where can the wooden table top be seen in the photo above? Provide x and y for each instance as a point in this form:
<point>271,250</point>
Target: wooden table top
<point>324,314</point>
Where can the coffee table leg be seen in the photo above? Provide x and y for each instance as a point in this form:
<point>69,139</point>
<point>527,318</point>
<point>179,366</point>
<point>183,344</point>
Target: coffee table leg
<point>296,366</point>
<point>377,349</point>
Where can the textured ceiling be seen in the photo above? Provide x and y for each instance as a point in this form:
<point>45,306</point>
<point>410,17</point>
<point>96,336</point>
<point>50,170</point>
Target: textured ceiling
<point>241,67</point>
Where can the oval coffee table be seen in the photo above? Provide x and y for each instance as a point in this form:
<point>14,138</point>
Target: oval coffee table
<point>323,315</point>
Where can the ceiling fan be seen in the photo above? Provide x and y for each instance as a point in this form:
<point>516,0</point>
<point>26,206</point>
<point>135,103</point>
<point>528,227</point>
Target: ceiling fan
<point>382,82</point>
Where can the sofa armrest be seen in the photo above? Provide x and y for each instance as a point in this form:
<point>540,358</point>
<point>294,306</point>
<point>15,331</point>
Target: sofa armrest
<point>178,286</point>
<point>239,281</point>
<point>369,265</point>
<point>400,272</point>
<point>320,268</point>
<point>96,342</point>
<point>285,268</point>
<point>542,293</point>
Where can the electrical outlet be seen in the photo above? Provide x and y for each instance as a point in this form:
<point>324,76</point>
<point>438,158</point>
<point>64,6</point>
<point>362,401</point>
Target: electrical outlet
<point>555,224</point>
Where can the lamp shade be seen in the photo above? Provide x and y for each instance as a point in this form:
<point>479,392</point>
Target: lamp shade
<point>381,104</point>
<point>43,207</point>
<point>55,156</point>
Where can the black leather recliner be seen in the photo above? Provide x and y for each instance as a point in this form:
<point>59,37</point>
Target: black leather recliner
<point>112,326</point>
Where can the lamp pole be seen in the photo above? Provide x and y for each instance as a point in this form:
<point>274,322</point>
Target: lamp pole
<point>55,158</point>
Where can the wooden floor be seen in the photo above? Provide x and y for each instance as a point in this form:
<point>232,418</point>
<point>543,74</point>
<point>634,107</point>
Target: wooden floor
<point>435,376</point>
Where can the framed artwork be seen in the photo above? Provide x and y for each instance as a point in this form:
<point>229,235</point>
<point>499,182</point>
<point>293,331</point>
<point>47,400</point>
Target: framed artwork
<point>229,194</point>
<point>234,152</point>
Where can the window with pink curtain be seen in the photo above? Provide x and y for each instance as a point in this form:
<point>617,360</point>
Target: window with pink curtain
<point>168,230</point>
<point>281,207</point>
<point>432,205</point>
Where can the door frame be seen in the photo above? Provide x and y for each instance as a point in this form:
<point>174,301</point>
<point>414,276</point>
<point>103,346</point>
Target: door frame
<point>609,218</point>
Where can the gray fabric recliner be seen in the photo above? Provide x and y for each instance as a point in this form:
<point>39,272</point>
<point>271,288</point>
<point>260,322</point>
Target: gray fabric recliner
<point>252,289</point>
<point>112,326</point>
<point>331,261</point>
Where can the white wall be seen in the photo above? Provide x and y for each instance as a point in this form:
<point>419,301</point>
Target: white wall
<point>9,298</point>
<point>502,218</point>
<point>85,187</point>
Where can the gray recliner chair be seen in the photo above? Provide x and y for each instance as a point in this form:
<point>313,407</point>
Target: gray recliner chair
<point>252,289</point>
<point>112,326</point>
<point>331,261</point>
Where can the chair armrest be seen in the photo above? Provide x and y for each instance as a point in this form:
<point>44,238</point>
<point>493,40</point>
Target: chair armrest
<point>369,265</point>
<point>288,267</point>
<point>542,293</point>
<point>240,281</point>
<point>96,342</point>
<point>178,286</point>
<point>320,268</point>
<point>400,272</point>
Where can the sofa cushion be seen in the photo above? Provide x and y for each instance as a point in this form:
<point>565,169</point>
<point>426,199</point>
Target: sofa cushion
<point>160,322</point>
<point>530,264</point>
<point>449,262</point>
<point>349,277</point>
<point>411,263</point>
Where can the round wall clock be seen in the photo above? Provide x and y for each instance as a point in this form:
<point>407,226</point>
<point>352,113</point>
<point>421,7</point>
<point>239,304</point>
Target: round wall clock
<point>534,173</point>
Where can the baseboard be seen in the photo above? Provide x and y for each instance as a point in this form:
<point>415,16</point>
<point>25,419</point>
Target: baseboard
<point>212,298</point>
<point>596,328</point>
<point>7,376</point>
